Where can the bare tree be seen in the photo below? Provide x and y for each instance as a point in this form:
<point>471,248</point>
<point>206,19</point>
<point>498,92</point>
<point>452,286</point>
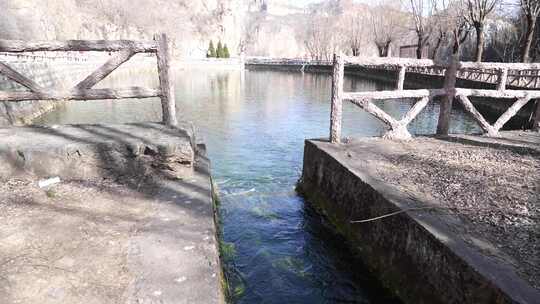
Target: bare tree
<point>442,26</point>
<point>450,27</point>
<point>421,12</point>
<point>460,33</point>
<point>387,25</point>
<point>320,39</point>
<point>536,50</point>
<point>530,10</point>
<point>355,30</point>
<point>504,44</point>
<point>250,29</point>
<point>458,25</point>
<point>476,15</point>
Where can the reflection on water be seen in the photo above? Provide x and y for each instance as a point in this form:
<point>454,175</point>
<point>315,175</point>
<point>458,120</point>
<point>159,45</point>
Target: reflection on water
<point>278,250</point>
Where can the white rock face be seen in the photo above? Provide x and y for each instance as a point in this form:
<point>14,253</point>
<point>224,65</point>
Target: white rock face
<point>190,23</point>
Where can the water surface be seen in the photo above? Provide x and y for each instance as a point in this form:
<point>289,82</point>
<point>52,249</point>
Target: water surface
<point>277,249</point>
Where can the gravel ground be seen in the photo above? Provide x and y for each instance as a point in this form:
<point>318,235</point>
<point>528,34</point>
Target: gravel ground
<point>496,193</point>
<point>67,243</point>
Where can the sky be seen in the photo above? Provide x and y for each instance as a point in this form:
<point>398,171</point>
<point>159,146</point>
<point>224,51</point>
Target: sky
<point>302,2</point>
<point>306,2</point>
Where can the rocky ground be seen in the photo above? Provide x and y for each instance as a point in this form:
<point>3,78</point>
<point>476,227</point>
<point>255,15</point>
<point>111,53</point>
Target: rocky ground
<point>495,192</point>
<point>67,243</point>
<point>129,220</point>
<point>125,239</point>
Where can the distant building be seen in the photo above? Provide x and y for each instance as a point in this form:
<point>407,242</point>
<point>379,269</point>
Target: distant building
<point>409,51</point>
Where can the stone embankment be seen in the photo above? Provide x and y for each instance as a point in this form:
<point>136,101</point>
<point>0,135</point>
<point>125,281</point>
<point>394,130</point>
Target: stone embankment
<point>439,221</point>
<point>49,74</point>
<point>59,74</point>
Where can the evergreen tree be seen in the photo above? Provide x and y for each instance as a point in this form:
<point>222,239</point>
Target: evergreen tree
<point>219,52</point>
<point>211,51</point>
<point>226,53</point>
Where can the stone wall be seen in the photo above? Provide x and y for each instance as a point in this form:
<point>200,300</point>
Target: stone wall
<point>414,255</point>
<point>58,74</point>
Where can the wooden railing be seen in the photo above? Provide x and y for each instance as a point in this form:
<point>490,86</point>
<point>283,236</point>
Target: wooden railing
<point>125,49</point>
<point>397,129</point>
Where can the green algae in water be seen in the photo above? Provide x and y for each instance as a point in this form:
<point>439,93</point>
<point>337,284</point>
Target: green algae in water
<point>239,291</point>
<point>292,265</point>
<point>233,282</point>
<point>263,209</point>
<point>228,250</point>
<point>261,212</point>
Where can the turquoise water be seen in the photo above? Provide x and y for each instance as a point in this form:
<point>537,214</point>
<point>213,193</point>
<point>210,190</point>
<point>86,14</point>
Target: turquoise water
<point>277,249</point>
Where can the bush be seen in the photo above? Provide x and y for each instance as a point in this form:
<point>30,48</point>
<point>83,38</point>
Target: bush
<point>226,53</point>
<point>211,51</point>
<point>219,51</point>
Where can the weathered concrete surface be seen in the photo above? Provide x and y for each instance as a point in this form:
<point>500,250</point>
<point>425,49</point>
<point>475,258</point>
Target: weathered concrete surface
<point>518,141</point>
<point>144,191</point>
<point>422,256</point>
<point>81,151</point>
<point>174,255</point>
<point>20,113</point>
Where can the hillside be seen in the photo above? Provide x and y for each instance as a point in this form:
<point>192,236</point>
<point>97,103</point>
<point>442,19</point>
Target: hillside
<point>257,27</point>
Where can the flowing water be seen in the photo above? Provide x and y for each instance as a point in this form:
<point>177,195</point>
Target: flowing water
<point>277,250</point>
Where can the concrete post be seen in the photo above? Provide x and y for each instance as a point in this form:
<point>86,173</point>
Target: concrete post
<point>450,76</point>
<point>337,96</point>
<point>503,77</point>
<point>536,120</point>
<point>401,78</point>
<point>168,102</point>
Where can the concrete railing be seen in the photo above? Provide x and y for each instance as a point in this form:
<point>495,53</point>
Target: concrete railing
<point>125,49</point>
<point>44,56</point>
<point>397,129</point>
<point>518,75</point>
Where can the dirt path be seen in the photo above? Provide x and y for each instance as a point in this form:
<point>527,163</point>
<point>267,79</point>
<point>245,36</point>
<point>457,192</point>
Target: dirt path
<point>67,244</point>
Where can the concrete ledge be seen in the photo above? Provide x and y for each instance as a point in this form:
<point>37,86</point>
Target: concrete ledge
<point>522,142</point>
<point>161,173</point>
<point>417,255</point>
<point>82,151</point>
<point>176,252</point>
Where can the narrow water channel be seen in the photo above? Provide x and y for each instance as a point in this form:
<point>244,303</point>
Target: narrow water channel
<point>254,124</point>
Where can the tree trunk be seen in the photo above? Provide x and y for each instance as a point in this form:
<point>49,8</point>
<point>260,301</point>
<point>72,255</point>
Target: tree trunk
<point>419,46</point>
<point>479,41</point>
<point>455,48</point>
<point>436,49</point>
<point>443,124</point>
<point>531,24</point>
<point>383,50</point>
